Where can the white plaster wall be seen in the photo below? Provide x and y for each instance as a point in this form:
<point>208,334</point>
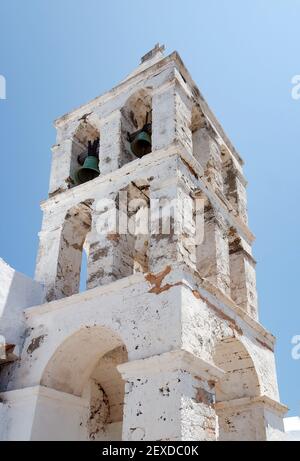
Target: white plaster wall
<point>274,425</point>
<point>38,413</point>
<point>146,324</point>
<point>17,414</point>
<point>59,417</point>
<point>73,333</point>
<point>16,293</point>
<point>3,417</point>
<point>292,428</point>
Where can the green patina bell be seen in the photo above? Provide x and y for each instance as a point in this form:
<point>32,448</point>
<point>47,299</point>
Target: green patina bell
<point>89,170</point>
<point>90,164</point>
<point>141,144</point>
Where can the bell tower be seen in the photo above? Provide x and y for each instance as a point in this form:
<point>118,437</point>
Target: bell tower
<point>165,343</point>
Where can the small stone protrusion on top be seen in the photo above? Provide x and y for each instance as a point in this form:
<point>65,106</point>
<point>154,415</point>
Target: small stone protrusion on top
<point>157,50</point>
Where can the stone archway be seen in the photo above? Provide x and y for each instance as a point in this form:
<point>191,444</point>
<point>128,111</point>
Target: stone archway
<point>135,113</point>
<point>74,233</point>
<point>85,132</point>
<point>236,393</point>
<point>82,390</point>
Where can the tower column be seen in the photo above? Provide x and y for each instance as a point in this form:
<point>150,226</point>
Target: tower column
<point>110,258</point>
<point>110,251</point>
<point>242,275</point>
<point>169,397</point>
<point>172,225</point>
<point>111,142</point>
<point>46,265</point>
<point>61,166</point>
<point>235,187</point>
<point>213,252</point>
<point>171,117</point>
<point>207,152</point>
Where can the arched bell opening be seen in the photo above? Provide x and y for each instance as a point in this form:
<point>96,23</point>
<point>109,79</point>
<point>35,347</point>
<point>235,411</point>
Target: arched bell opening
<point>85,153</point>
<point>137,126</point>
<point>82,375</point>
<point>237,417</point>
<point>73,243</point>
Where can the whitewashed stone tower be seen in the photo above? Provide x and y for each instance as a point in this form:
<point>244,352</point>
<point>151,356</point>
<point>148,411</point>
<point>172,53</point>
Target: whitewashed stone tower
<point>165,343</point>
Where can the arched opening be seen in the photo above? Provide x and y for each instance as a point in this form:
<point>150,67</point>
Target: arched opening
<point>105,391</point>
<point>85,143</point>
<point>83,271</point>
<point>73,238</point>
<point>137,126</point>
<point>240,384</point>
<point>83,374</point>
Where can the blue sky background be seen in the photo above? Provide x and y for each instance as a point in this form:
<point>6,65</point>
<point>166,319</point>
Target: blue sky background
<point>58,54</point>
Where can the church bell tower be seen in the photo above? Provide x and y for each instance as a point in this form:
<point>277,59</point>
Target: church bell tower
<point>156,336</point>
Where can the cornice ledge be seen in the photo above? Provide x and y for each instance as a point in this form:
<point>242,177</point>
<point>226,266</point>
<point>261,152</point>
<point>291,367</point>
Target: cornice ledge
<point>170,361</point>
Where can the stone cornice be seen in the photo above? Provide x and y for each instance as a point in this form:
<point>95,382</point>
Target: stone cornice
<point>180,275</point>
<point>136,165</point>
<point>170,361</point>
<point>17,395</point>
<point>263,400</point>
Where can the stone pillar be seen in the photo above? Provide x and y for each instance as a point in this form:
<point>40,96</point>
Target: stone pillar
<point>251,419</point>
<point>208,154</point>
<point>109,251</point>
<point>109,259</point>
<point>61,166</point>
<point>213,252</point>
<point>47,259</point>
<point>235,188</point>
<point>169,397</point>
<point>118,243</point>
<point>171,117</point>
<point>172,225</point>
<point>242,275</point>
<point>111,142</point>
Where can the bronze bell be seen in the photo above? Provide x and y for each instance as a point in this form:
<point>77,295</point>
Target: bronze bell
<point>141,141</point>
<point>90,164</point>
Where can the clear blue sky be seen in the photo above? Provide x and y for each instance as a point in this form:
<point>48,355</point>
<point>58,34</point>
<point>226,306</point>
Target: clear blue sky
<point>58,54</point>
